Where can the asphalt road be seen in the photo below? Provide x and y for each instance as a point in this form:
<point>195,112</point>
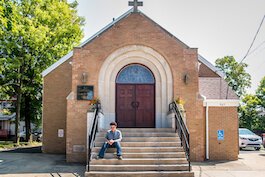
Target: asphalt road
<point>30,162</point>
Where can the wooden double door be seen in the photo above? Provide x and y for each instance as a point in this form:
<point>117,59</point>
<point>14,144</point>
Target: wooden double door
<point>135,105</point>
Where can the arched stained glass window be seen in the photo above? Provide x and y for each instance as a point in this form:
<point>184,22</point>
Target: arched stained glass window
<point>135,74</point>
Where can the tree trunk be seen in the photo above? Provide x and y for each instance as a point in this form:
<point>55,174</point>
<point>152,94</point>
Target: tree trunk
<point>18,108</point>
<point>27,118</point>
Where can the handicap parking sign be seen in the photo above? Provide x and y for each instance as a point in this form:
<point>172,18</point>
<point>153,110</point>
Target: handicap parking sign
<point>220,134</point>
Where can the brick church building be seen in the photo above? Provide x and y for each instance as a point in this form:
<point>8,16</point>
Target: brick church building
<point>137,68</point>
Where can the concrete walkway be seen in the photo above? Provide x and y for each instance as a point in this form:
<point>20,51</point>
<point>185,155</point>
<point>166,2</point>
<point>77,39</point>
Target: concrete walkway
<point>250,164</point>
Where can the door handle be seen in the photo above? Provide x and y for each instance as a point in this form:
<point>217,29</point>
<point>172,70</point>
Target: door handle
<point>137,104</point>
<point>133,104</point>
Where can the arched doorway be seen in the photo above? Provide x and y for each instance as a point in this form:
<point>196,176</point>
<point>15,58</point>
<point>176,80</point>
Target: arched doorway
<point>123,57</point>
<point>135,97</point>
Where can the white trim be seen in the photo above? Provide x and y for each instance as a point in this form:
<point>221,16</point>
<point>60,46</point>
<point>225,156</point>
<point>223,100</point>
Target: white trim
<point>57,63</point>
<point>205,103</point>
<point>220,103</point>
<point>70,96</point>
<point>207,130</point>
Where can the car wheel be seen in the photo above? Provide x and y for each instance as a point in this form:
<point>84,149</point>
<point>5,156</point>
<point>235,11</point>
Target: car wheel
<point>257,148</point>
<point>240,149</point>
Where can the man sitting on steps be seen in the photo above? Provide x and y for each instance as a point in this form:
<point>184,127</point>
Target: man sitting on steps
<point>113,139</point>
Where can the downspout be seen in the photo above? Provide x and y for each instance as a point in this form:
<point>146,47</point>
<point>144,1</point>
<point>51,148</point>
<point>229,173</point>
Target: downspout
<point>207,131</point>
<point>206,127</point>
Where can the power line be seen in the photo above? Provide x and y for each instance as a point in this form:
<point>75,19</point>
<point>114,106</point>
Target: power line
<point>253,40</point>
<point>260,45</point>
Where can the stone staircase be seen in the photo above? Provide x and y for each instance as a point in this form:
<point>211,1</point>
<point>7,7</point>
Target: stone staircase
<point>147,152</point>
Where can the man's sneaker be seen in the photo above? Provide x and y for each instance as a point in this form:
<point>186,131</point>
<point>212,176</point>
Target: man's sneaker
<point>120,157</point>
<point>98,157</point>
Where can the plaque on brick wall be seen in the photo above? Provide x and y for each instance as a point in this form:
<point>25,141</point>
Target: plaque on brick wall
<point>79,148</point>
<point>85,92</point>
<point>60,133</point>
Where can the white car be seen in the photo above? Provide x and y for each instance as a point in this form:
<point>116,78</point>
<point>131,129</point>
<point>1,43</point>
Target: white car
<point>249,139</point>
<point>22,136</point>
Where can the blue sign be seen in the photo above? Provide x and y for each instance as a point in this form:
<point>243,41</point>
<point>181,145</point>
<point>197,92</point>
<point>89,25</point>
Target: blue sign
<point>220,134</point>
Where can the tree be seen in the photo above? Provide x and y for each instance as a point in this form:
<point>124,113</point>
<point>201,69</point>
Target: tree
<point>261,92</point>
<point>235,74</point>
<point>34,34</point>
<point>248,112</point>
<point>252,108</point>
<point>261,95</point>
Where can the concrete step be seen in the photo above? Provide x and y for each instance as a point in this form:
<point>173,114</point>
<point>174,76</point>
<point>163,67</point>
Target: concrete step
<point>140,174</point>
<point>145,144</point>
<point>142,134</point>
<point>143,139</point>
<point>145,155</point>
<point>142,149</point>
<point>139,161</point>
<point>174,167</point>
<point>143,130</point>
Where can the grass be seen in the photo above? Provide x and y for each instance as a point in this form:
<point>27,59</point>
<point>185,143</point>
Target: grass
<point>11,145</point>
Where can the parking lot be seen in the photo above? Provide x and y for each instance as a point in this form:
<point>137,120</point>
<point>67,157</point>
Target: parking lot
<point>29,162</point>
<point>32,163</point>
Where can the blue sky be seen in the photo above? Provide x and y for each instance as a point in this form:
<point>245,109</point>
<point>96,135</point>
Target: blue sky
<point>217,28</point>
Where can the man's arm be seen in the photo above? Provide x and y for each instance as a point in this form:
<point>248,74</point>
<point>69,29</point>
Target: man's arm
<point>120,138</point>
<point>106,137</point>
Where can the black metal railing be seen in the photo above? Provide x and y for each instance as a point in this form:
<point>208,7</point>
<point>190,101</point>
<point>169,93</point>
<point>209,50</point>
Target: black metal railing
<point>182,130</point>
<point>92,135</point>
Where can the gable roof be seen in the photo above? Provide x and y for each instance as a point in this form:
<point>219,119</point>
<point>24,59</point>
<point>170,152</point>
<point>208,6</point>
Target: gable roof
<point>70,54</point>
<point>126,14</point>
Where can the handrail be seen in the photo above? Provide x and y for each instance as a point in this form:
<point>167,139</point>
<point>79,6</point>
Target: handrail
<point>92,135</point>
<point>182,130</point>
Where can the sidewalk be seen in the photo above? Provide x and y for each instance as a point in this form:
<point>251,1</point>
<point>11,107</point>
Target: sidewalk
<point>250,164</point>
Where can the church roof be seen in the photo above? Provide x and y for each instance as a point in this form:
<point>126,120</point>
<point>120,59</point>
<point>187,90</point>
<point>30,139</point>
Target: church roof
<point>126,14</point>
<point>119,19</point>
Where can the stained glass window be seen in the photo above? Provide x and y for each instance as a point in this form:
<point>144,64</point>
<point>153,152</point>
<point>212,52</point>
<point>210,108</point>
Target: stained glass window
<point>135,74</point>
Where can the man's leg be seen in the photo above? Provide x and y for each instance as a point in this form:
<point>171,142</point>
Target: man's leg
<point>103,149</point>
<point>118,147</point>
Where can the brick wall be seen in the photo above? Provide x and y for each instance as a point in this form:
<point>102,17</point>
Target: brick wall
<point>135,29</point>
<point>197,133</point>
<point>223,118</point>
<point>206,72</point>
<point>57,85</point>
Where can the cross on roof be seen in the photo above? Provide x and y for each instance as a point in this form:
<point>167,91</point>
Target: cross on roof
<point>135,5</point>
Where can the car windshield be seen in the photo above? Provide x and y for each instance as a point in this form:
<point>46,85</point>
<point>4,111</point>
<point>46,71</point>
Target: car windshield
<point>245,132</point>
